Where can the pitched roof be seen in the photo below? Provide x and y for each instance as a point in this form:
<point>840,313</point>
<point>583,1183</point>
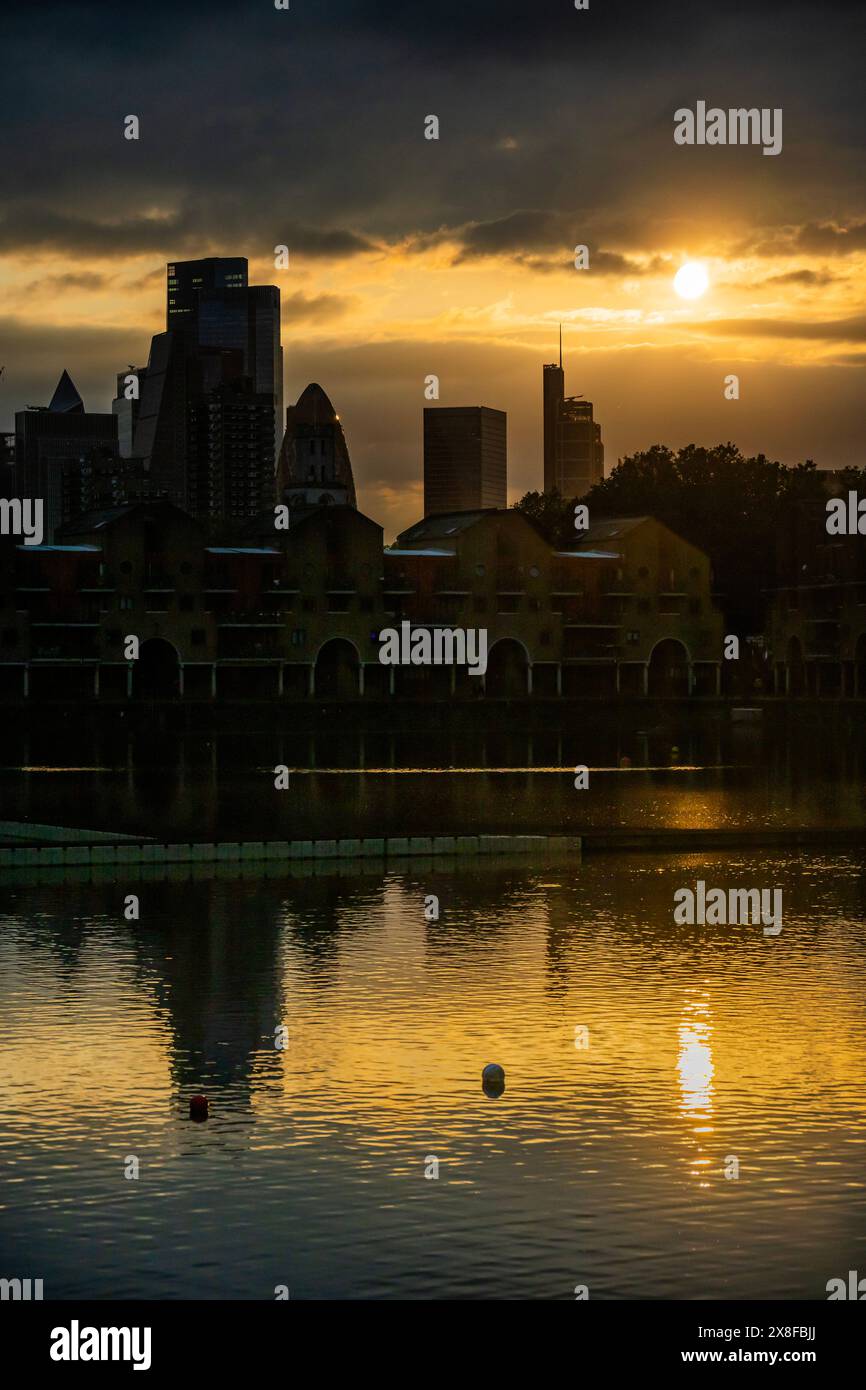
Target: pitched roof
<point>444,524</point>
<point>608,529</point>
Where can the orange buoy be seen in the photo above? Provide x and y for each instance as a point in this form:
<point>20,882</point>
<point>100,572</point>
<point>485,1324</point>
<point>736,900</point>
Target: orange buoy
<point>198,1108</point>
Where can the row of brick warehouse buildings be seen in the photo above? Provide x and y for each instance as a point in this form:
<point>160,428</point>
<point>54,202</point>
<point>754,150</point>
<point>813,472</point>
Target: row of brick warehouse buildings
<point>296,614</point>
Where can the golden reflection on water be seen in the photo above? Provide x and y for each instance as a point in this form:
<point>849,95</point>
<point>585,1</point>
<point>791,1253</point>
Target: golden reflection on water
<point>701,1044</point>
<point>695,1069</point>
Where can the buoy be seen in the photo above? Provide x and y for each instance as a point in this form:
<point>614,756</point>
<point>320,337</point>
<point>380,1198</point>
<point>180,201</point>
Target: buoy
<point>493,1079</point>
<point>198,1108</point>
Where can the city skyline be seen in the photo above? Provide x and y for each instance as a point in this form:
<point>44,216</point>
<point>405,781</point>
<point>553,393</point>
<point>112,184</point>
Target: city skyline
<point>454,256</point>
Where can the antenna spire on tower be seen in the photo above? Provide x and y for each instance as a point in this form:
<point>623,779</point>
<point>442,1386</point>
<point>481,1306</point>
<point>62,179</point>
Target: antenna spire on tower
<point>560,346</point>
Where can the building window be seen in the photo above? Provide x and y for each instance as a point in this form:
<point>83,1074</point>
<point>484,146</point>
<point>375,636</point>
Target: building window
<point>187,603</point>
<point>309,605</point>
<point>632,637</point>
<point>694,605</point>
<point>10,636</point>
<point>545,638</point>
<point>126,601</point>
<point>198,637</point>
<point>480,605</point>
<point>366,604</point>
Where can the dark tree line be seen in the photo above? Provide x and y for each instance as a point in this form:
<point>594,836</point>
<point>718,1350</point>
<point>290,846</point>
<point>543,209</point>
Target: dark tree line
<point>734,508</point>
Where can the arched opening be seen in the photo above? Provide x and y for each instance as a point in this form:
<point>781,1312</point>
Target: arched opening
<point>337,670</point>
<point>156,673</point>
<point>506,669</point>
<point>669,669</point>
<point>796,668</point>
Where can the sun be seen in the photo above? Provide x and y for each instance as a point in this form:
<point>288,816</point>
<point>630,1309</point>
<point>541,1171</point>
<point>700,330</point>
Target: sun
<point>691,280</point>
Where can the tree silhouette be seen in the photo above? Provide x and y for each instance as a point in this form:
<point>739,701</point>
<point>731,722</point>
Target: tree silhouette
<point>734,508</point>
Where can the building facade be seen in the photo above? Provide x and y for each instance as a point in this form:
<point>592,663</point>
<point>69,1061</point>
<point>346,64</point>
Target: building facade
<point>465,458</point>
<point>298,615</point>
<point>816,622</point>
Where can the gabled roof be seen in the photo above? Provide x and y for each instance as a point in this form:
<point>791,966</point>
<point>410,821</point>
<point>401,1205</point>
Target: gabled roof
<point>99,520</point>
<point>443,524</point>
<point>609,529</point>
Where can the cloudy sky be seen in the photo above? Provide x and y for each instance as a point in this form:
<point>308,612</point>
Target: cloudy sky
<point>453,257</point>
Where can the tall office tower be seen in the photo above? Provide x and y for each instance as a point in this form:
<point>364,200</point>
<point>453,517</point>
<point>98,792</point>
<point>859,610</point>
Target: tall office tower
<point>248,320</point>
<point>314,467</point>
<point>160,436</point>
<point>209,303</point>
<point>222,339</point>
<point>573,451</point>
<point>186,280</point>
<point>230,433</point>
<point>59,448</point>
<point>465,461</point>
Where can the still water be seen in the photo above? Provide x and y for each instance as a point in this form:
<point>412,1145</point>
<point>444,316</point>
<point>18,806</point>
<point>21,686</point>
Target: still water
<point>601,1165</point>
<point>429,780</point>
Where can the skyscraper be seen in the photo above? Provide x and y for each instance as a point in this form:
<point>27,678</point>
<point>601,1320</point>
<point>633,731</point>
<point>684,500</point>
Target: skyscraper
<point>220,359</point>
<point>186,280</point>
<point>573,451</point>
<point>465,461</point>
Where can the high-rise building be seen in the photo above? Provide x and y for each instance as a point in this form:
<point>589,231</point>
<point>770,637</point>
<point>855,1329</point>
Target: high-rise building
<point>186,280</point>
<point>230,431</point>
<point>160,435</point>
<point>61,452</point>
<point>573,451</point>
<point>465,459</point>
<point>248,320</point>
<point>220,359</point>
<point>210,303</point>
<point>125,407</point>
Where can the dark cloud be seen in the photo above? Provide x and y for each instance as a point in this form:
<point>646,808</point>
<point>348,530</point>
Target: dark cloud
<point>31,227</point>
<point>820,239</point>
<point>851,330</point>
<point>298,307</point>
<point>802,277</point>
<point>305,128</point>
<point>81,280</point>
